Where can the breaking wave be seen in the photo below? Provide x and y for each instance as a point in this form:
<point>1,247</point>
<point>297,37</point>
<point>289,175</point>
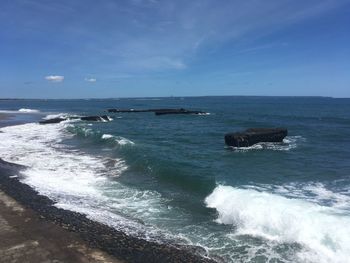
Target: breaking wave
<point>28,110</point>
<point>76,180</point>
<point>322,231</point>
<point>118,139</point>
<point>87,132</point>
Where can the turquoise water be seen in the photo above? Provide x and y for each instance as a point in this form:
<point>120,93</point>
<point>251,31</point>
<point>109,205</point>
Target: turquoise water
<point>172,178</point>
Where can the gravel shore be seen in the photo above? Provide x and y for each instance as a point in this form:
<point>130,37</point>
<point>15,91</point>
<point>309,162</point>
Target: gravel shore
<point>94,235</point>
<point>25,237</point>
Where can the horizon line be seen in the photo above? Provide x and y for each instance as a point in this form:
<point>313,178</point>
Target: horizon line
<point>200,96</point>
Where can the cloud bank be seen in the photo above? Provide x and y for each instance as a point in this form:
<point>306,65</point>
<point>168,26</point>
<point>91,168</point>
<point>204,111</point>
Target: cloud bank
<point>92,80</point>
<point>54,78</point>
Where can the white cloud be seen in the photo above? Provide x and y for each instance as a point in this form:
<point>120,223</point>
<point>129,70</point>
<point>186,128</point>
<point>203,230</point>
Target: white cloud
<point>90,79</point>
<point>54,78</point>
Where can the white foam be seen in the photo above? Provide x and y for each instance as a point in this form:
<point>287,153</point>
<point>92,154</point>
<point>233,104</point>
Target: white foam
<point>314,192</point>
<point>124,141</point>
<point>22,111</point>
<point>38,147</point>
<point>107,136</point>
<point>28,110</point>
<point>59,115</point>
<point>323,231</point>
<point>289,143</point>
<point>118,139</point>
<point>76,180</point>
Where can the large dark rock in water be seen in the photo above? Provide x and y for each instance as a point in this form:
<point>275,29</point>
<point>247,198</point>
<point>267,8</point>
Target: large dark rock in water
<point>138,110</point>
<point>177,111</point>
<point>54,120</point>
<point>126,110</point>
<point>87,118</point>
<point>252,136</point>
<point>158,111</point>
<point>95,118</point>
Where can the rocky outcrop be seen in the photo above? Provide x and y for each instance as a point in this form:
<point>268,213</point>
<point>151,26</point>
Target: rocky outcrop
<point>158,111</point>
<point>127,110</point>
<point>177,111</point>
<point>252,136</point>
<point>95,118</point>
<point>86,118</point>
<point>54,120</point>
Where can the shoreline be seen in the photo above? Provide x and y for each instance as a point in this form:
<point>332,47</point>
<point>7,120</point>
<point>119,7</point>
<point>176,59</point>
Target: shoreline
<point>96,235</point>
<point>27,238</point>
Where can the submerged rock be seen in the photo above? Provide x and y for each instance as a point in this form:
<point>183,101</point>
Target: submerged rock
<point>252,136</point>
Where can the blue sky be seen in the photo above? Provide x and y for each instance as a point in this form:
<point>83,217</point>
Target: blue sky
<point>139,48</point>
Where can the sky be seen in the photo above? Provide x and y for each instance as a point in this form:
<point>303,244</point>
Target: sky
<point>154,48</point>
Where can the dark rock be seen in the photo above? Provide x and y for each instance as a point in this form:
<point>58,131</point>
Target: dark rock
<point>252,136</point>
<point>126,110</point>
<point>177,111</point>
<point>87,118</point>
<point>158,111</point>
<point>95,118</point>
<point>54,120</point>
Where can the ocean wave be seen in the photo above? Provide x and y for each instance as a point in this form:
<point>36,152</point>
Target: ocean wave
<point>289,143</point>
<point>75,180</point>
<point>108,119</point>
<point>87,132</point>
<point>118,139</point>
<point>60,115</point>
<point>28,110</point>
<point>107,136</point>
<point>314,192</point>
<point>23,110</point>
<point>322,231</point>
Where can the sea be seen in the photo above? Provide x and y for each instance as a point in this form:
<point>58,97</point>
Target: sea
<point>170,178</point>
